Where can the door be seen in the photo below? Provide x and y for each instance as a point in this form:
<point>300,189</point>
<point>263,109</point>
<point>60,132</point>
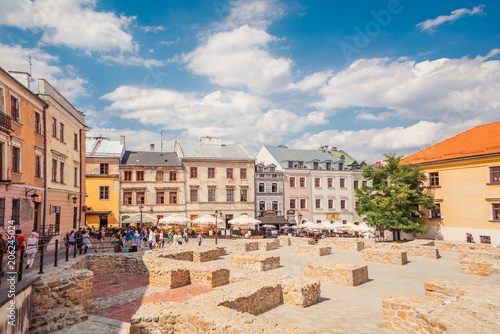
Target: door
<point>36,218</point>
<point>103,221</point>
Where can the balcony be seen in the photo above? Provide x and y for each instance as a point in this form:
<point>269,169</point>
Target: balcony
<point>5,121</point>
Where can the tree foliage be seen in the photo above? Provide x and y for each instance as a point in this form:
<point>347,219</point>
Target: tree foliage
<point>395,196</point>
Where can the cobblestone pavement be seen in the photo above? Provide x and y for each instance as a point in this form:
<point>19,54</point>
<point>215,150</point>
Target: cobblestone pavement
<point>342,309</point>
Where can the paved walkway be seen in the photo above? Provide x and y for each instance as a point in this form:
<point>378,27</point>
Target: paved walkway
<point>342,309</point>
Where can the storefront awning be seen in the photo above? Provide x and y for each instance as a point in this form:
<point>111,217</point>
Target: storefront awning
<point>275,220</point>
<point>88,213</point>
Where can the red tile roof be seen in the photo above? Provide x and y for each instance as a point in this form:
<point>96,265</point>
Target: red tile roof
<point>480,140</point>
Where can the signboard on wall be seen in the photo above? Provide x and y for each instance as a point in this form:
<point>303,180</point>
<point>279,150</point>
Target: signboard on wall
<point>56,209</point>
<point>332,216</point>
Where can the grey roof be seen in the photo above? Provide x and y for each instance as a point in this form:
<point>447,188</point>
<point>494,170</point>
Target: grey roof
<point>214,151</point>
<point>284,154</point>
<point>134,158</point>
<point>103,148</point>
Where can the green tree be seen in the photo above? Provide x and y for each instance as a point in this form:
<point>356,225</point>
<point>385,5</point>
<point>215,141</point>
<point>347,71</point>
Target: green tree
<point>395,196</point>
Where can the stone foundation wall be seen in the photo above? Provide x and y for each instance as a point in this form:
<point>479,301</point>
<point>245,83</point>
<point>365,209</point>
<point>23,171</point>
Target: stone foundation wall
<point>257,301</point>
<point>314,250</point>
<point>170,278</point>
<point>479,263</point>
<point>430,252</point>
<point>284,240</point>
<point>209,277</point>
<point>350,244</point>
<point>61,299</point>
<point>268,244</point>
<point>389,256</point>
<point>297,241</point>
<point>458,246</point>
<point>346,274</point>
<point>242,245</point>
<point>255,262</point>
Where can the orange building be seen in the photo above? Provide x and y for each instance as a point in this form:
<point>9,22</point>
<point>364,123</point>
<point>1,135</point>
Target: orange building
<point>464,178</point>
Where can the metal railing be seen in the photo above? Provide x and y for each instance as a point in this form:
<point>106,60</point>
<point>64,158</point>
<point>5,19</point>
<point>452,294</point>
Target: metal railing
<point>5,120</point>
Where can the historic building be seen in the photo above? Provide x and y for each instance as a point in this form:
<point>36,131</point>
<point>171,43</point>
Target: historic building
<point>152,183</point>
<point>102,180</point>
<point>269,193</point>
<point>219,178</point>
<point>464,177</point>
<point>22,154</point>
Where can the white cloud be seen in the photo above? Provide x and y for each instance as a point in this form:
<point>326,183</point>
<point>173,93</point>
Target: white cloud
<point>254,13</point>
<point>153,29</point>
<point>73,23</point>
<point>132,60</point>
<point>312,82</point>
<point>234,115</point>
<point>431,24</point>
<point>239,59</point>
<point>371,144</point>
<point>64,79</point>
<point>464,88</point>
<point>177,40</point>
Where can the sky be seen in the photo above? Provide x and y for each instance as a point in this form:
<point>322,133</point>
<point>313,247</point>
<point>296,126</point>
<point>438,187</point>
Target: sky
<point>367,77</point>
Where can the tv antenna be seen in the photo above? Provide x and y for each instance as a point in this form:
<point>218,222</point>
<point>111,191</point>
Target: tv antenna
<point>31,67</point>
<point>161,142</point>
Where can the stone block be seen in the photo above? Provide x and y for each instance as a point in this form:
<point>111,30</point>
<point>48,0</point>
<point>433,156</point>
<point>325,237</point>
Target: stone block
<point>243,245</point>
<point>314,250</point>
<point>479,262</point>
<point>298,241</point>
<point>268,244</point>
<point>389,256</point>
<point>169,277</point>
<point>346,274</point>
<point>209,277</point>
<point>284,240</point>
<point>255,262</point>
<point>350,244</point>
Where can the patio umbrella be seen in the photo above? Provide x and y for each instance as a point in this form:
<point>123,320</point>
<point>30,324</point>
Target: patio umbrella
<point>136,219</point>
<point>269,226</point>
<point>175,219</point>
<point>363,227</point>
<point>244,220</point>
<point>309,225</point>
<point>207,220</point>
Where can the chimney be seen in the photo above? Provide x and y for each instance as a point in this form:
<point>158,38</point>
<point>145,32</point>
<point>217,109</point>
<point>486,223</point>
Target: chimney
<point>22,77</point>
<point>152,146</point>
<point>323,148</point>
<point>211,140</point>
<point>334,149</point>
<point>122,140</point>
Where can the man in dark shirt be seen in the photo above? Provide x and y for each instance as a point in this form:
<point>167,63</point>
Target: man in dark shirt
<point>21,242</point>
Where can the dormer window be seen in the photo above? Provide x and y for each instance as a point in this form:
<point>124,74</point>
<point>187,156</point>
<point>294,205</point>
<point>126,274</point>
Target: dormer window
<point>300,164</point>
<point>341,166</point>
<point>315,165</point>
<point>259,169</point>
<point>328,166</point>
<point>272,169</point>
<point>290,164</point>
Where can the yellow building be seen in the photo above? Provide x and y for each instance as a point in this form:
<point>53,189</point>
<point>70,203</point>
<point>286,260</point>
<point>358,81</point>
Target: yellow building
<point>464,178</point>
<point>102,181</point>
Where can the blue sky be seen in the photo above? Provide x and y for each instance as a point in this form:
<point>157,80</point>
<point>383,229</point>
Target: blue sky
<point>369,77</point>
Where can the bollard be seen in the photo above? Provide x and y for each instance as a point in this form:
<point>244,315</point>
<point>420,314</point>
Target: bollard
<point>74,249</point>
<point>67,251</point>
<point>21,263</point>
<point>41,259</point>
<point>55,254</point>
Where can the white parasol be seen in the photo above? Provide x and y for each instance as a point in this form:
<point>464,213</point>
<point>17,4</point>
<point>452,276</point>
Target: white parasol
<point>209,220</point>
<point>175,219</point>
<point>136,219</point>
<point>244,220</point>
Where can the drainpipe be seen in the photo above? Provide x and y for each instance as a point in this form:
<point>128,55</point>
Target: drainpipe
<point>82,156</point>
<point>45,186</point>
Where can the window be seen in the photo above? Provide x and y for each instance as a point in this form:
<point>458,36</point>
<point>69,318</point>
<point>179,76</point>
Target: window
<point>303,203</point>
<point>38,123</point>
<point>329,182</point>
<point>54,127</point>
<point>140,197</point>
<point>194,195</point>
<point>436,212</point>
<point>300,164</point>
<point>364,183</point>
<point>16,210</point>
<point>173,175</point>
<point>230,195</point>
<point>433,179</point>
<point>302,182</point>
<point>292,182</point>
<point>14,109</point>
<point>356,184</point>
<point>290,164</point>
<point>76,177</point>
<point>260,168</point>
<point>193,217</point>
<point>318,203</point>
<point>103,193</point>
<point>172,197</point>
<point>61,131</point>
<point>159,175</point>
<point>341,166</point>
<point>139,176</point>
<point>330,204</point>
<point>292,203</point>
<point>275,206</point>
<point>127,198</point>
<point>104,169</point>
<point>160,197</point>
<point>262,206</point>
<point>315,165</point>
<point>16,159</point>
<point>2,207</point>
<point>193,172</point>
<point>496,211</point>
<point>274,188</point>
<point>211,195</point>
<point>61,172</point>
<point>54,170</point>
<point>272,169</point>
<point>211,173</point>
<point>75,141</point>
<point>243,195</point>
<point>127,175</point>
<point>2,110</point>
<point>328,166</point>
<point>342,204</point>
<point>229,173</point>
<point>243,173</point>
<point>261,187</point>
<point>342,183</point>
<point>38,166</point>
<point>317,182</point>
<point>275,176</point>
<point>495,174</point>
<point>75,215</point>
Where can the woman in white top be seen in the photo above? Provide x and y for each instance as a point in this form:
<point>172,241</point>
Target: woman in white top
<point>31,250</point>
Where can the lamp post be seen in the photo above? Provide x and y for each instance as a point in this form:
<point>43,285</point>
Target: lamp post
<point>140,209</point>
<point>216,213</point>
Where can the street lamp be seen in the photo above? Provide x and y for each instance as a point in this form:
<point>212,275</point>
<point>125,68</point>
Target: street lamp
<point>140,209</point>
<point>216,213</point>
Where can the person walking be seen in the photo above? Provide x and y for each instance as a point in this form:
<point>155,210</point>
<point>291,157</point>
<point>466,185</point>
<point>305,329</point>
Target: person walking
<point>151,239</point>
<point>170,238</point>
<point>199,239</point>
<point>101,238</point>
<point>186,237</point>
<point>78,240</point>
<point>87,241</point>
<point>31,250</point>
